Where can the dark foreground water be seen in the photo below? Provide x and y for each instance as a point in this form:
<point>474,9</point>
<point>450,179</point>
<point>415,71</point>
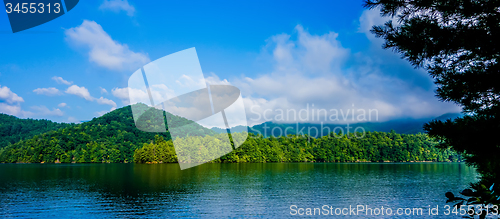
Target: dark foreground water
<point>226,190</point>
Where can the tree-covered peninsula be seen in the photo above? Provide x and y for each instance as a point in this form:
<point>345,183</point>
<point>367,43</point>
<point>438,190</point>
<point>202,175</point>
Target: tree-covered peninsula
<point>374,147</point>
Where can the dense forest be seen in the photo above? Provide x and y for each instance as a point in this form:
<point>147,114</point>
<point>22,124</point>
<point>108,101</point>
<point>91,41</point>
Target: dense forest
<point>13,129</point>
<point>374,147</point>
<point>112,137</point>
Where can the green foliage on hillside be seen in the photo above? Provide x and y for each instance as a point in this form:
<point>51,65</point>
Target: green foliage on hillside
<point>109,138</point>
<point>115,138</point>
<point>374,147</point>
<point>13,129</point>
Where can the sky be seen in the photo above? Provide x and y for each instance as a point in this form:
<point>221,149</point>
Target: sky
<point>282,55</point>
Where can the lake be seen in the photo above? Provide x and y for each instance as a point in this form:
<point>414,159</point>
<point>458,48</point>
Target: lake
<point>227,190</point>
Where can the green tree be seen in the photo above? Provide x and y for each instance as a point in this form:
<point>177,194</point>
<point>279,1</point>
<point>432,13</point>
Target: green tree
<point>457,43</point>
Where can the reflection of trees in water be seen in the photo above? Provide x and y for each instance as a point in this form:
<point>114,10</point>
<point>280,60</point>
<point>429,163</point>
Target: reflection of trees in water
<point>134,190</point>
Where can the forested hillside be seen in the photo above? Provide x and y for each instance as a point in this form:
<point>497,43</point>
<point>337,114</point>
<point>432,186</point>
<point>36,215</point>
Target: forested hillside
<point>374,147</point>
<point>112,137</point>
<point>13,129</point>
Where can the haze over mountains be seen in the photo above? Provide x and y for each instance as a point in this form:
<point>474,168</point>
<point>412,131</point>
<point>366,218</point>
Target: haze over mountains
<point>402,126</point>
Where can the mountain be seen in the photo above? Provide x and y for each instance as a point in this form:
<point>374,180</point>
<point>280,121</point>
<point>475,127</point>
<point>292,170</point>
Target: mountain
<point>112,137</point>
<point>239,128</point>
<point>447,116</point>
<point>402,126</point>
<point>13,129</point>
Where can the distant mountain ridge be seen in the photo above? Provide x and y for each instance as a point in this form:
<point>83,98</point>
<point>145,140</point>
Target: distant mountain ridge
<point>401,126</point>
<point>239,128</point>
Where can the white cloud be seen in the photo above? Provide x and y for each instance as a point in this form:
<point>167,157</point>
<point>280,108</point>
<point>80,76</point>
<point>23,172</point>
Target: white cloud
<point>60,80</point>
<point>10,103</point>
<point>368,19</point>
<point>158,92</point>
<point>14,110</point>
<point>8,96</point>
<point>103,91</point>
<point>80,91</point>
<point>117,6</point>
<point>72,120</point>
<point>187,81</point>
<point>101,113</point>
<point>51,91</point>
<point>62,105</point>
<point>84,93</point>
<point>311,69</point>
<point>317,72</point>
<point>122,94</point>
<point>135,94</point>
<point>105,101</point>
<point>213,79</point>
<point>103,50</point>
<point>44,111</point>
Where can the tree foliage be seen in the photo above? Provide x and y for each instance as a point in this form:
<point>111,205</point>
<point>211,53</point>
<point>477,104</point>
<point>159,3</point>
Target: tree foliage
<point>374,147</point>
<point>109,138</point>
<point>13,129</point>
<point>115,138</point>
<point>457,43</point>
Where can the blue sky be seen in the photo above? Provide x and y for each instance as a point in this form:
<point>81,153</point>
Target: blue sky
<point>281,54</point>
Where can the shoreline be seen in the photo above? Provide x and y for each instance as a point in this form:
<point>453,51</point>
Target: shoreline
<point>374,162</point>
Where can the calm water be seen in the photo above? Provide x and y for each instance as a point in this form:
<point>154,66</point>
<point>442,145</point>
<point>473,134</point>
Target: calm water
<point>222,190</point>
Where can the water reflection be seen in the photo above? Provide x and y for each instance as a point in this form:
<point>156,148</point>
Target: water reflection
<point>227,190</point>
